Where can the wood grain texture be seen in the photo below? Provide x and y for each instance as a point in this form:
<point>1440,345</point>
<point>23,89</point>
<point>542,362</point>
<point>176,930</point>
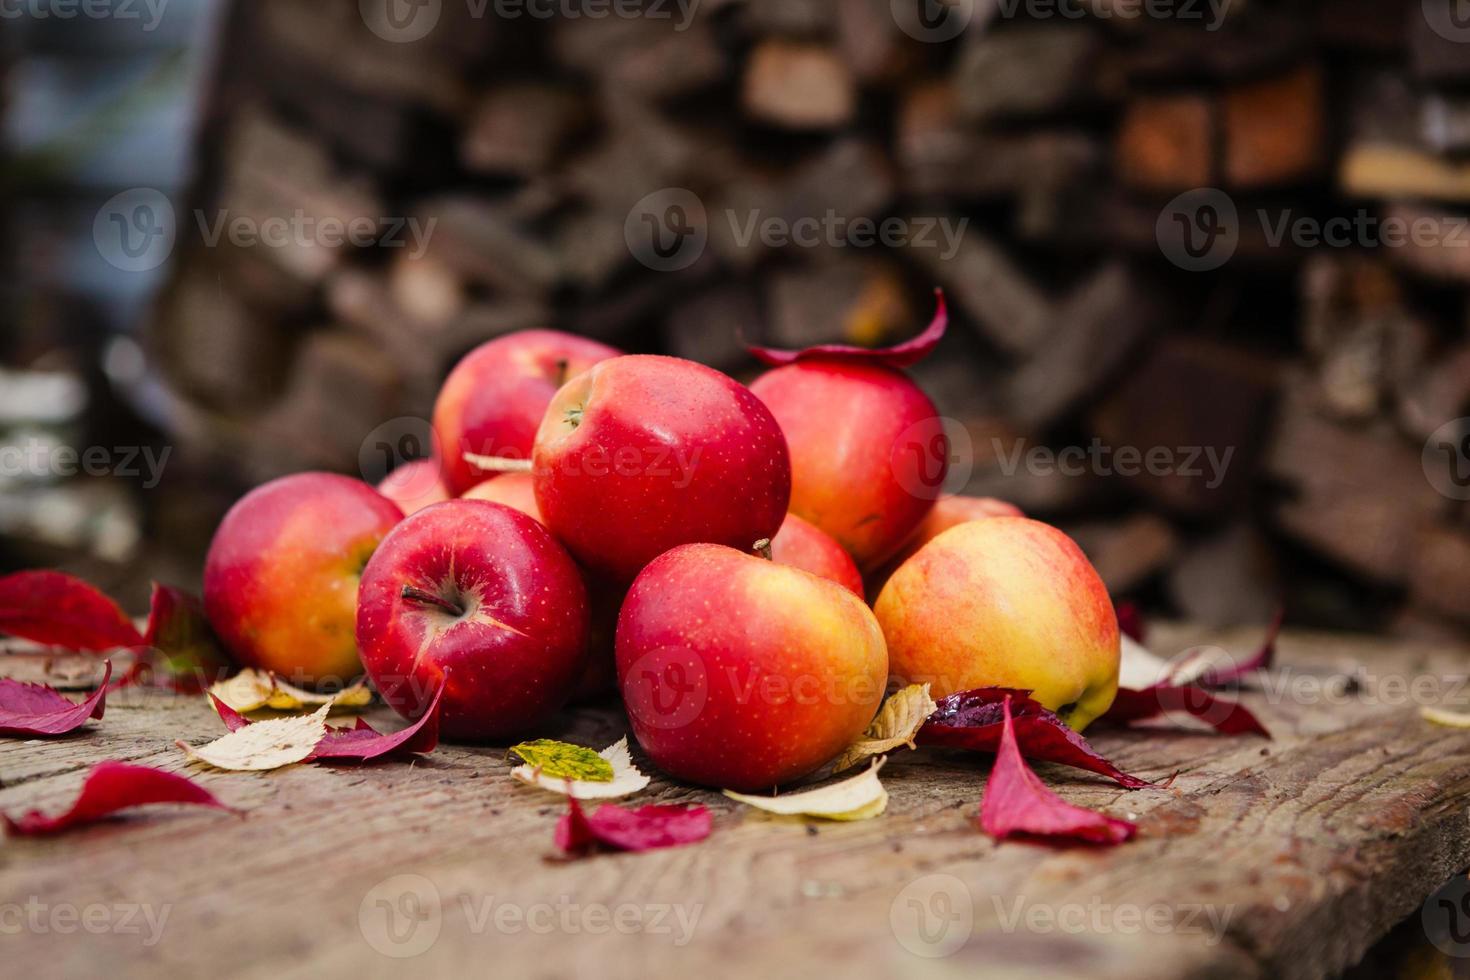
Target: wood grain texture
<point>1280,859</point>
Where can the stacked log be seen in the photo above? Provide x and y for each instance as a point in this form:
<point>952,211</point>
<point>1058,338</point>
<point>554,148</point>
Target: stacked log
<point>1286,392</point>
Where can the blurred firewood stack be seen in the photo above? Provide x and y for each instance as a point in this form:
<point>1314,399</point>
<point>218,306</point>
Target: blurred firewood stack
<point>1321,370</point>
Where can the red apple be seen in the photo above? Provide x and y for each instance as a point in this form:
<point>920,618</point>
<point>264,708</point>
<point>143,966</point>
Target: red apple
<point>280,580</point>
<point>642,454</point>
<point>414,486</point>
<point>1005,602</point>
<point>515,490</point>
<point>868,451</point>
<point>803,545</point>
<point>744,674</point>
<point>480,598</point>
<point>493,400</point>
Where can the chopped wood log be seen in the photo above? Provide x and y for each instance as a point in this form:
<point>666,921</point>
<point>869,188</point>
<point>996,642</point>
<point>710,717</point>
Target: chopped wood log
<point>1439,569</point>
<point>1383,170</point>
<point>937,152</point>
<point>1444,122</point>
<point>1034,71</point>
<point>798,86</point>
<point>1365,516</point>
<point>1129,552</point>
<point>1428,241</point>
<point>1275,129</point>
<point>1202,410</point>
<point>519,129</point>
<point>662,54</point>
<point>484,243</point>
<point>1227,578</point>
<point>714,326</point>
<point>1167,143</point>
<point>1093,333</point>
<point>982,280</point>
<point>850,301</point>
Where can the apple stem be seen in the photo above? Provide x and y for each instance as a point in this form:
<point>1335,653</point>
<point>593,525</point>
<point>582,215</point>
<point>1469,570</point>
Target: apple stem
<point>763,548</point>
<point>430,599</point>
<point>562,367</point>
<point>498,464</point>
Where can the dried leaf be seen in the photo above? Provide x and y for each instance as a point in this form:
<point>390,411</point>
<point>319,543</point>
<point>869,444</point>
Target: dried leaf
<point>363,743</point>
<point>626,779</point>
<point>110,787</point>
<point>60,610</point>
<point>1226,717</point>
<point>264,745</point>
<point>897,724</point>
<point>858,798</point>
<point>644,829</point>
<point>974,720</point>
<point>34,709</point>
<point>906,354</point>
<point>1208,667</point>
<point>252,690</point>
<point>187,653</point>
<point>562,760</point>
<point>1130,622</point>
<point>1449,719</point>
<point>1017,803</point>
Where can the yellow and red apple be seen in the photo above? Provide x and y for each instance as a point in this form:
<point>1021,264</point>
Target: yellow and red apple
<point>1004,602</point>
<point>281,577</point>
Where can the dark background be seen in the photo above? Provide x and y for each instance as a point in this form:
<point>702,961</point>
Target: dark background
<point>534,142</point>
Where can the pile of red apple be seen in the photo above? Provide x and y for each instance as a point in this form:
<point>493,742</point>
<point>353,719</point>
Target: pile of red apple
<point>704,545</point>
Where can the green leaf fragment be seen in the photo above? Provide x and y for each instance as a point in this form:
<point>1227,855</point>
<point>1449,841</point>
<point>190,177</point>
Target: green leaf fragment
<point>561,760</point>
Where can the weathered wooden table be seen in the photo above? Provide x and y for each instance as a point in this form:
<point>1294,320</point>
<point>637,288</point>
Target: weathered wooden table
<point>1286,858</point>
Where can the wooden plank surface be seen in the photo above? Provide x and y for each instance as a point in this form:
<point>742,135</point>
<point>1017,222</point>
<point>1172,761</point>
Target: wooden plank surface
<point>1280,859</point>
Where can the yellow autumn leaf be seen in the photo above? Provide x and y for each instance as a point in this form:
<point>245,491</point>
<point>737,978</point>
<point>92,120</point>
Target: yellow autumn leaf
<point>264,744</point>
<point>1449,719</point>
<point>897,723</point>
<point>253,690</point>
<point>626,779</point>
<point>859,798</point>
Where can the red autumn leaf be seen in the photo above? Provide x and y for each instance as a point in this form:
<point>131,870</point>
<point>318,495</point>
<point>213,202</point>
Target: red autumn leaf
<point>187,653</point>
<point>35,709</point>
<point>363,743</point>
<point>1226,717</point>
<point>974,720</point>
<point>60,610</point>
<point>1130,622</point>
<point>1217,675</point>
<point>1017,803</point>
<point>110,787</point>
<point>644,829</point>
<point>906,354</point>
